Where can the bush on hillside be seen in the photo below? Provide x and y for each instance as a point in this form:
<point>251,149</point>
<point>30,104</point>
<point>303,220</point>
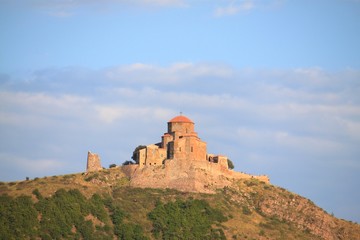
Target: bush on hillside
<point>191,219</point>
<point>128,162</point>
<point>112,165</point>
<point>230,164</point>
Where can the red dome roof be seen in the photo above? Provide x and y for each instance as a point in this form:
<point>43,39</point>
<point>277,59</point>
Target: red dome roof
<point>181,118</point>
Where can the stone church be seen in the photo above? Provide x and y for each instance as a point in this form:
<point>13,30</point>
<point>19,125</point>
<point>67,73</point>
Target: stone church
<point>180,143</point>
<point>179,161</point>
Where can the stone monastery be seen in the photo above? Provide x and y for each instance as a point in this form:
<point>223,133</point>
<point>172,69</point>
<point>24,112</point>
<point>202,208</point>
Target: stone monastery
<point>180,143</point>
<point>179,161</point>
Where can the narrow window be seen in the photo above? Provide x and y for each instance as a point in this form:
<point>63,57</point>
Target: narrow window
<point>179,149</point>
<point>192,149</point>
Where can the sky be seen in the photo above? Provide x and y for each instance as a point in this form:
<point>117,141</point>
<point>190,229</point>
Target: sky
<point>272,84</point>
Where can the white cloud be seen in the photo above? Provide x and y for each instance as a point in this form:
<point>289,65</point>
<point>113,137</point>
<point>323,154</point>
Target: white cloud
<point>174,73</point>
<point>235,8</point>
<point>240,6</point>
<point>30,165</point>
<point>289,110</point>
<point>307,144</point>
<point>109,113</point>
<point>286,140</point>
<point>37,109</point>
<point>350,127</point>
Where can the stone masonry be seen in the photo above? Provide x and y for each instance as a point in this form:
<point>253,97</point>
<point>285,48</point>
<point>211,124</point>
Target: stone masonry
<point>179,143</point>
<point>93,162</point>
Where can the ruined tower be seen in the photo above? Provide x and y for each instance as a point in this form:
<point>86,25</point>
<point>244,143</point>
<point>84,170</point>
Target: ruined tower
<point>93,162</point>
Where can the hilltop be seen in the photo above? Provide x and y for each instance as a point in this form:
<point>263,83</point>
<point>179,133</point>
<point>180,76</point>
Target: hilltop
<point>249,208</point>
<point>175,189</point>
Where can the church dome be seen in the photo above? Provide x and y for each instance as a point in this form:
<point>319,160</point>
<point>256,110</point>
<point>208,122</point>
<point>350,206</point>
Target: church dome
<point>180,119</point>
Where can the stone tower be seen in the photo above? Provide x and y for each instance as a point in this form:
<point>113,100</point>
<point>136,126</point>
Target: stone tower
<point>93,162</point>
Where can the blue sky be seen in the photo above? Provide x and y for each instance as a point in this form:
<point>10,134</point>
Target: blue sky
<point>273,84</point>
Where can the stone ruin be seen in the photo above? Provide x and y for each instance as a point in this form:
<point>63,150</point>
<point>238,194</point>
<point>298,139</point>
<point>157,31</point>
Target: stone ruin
<point>93,162</point>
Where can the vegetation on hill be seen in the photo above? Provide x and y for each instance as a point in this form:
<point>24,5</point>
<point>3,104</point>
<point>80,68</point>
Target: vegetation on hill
<point>69,215</point>
<point>101,205</point>
<point>190,219</point>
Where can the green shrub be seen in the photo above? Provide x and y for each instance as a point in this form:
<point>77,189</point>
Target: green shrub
<point>246,210</point>
<point>230,164</point>
<point>127,162</point>
<point>124,231</point>
<point>68,176</point>
<point>37,194</point>
<point>252,182</point>
<point>91,177</point>
<point>112,165</point>
<point>18,218</point>
<point>63,216</point>
<point>191,219</point>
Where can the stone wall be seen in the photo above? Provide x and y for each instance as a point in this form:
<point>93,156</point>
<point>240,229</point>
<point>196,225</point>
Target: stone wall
<point>180,128</point>
<point>152,155</point>
<point>189,147</point>
<point>188,176</point>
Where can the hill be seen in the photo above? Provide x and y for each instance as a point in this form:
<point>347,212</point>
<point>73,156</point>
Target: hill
<point>102,204</point>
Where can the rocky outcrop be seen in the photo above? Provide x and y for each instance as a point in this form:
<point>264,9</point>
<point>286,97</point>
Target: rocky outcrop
<point>305,215</point>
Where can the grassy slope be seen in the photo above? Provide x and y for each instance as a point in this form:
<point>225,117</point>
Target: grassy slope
<point>243,204</point>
